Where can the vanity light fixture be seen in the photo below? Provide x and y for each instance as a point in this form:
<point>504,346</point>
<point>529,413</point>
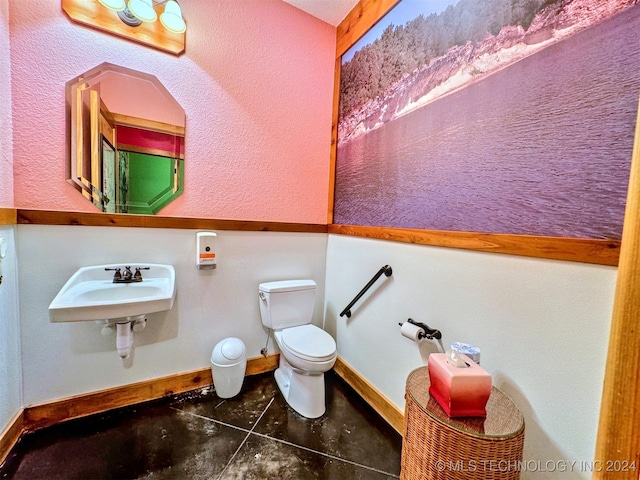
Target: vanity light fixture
<point>134,12</point>
<point>155,23</point>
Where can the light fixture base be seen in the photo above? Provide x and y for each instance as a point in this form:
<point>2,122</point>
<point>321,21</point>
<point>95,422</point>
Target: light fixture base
<point>129,18</point>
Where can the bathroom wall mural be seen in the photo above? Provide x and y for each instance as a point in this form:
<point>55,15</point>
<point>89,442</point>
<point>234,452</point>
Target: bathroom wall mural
<point>498,116</point>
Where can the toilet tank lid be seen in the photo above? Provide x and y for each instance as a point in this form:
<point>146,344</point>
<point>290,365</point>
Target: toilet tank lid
<point>287,286</point>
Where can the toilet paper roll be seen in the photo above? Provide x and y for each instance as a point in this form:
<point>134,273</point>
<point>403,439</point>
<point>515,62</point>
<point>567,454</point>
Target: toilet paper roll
<point>411,331</point>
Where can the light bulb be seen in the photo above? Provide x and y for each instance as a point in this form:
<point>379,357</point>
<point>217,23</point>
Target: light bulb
<point>116,5</point>
<point>143,9</point>
<point>172,17</point>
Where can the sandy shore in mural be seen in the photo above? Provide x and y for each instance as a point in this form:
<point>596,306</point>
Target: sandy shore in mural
<point>482,67</point>
<point>485,65</point>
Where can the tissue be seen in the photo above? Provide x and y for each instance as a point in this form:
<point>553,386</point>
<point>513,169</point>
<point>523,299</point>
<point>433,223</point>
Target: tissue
<point>461,392</point>
<point>455,359</point>
<point>469,350</point>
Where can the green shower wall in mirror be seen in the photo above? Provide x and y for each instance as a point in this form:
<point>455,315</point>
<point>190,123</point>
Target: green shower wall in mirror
<point>151,180</point>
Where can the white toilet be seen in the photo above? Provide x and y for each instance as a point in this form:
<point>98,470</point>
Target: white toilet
<point>306,351</point>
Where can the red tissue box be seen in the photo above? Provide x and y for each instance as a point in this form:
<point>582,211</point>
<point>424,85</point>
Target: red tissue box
<point>461,392</point>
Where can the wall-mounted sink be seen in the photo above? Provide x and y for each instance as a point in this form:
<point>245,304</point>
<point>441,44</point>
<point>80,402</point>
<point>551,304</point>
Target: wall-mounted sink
<point>90,294</point>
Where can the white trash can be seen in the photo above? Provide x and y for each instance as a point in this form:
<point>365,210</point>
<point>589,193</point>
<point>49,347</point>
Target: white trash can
<point>228,366</point>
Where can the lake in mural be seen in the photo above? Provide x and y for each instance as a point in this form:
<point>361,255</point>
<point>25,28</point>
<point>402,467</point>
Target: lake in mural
<point>488,117</point>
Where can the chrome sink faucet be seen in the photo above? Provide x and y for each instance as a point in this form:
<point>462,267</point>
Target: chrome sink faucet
<point>127,275</point>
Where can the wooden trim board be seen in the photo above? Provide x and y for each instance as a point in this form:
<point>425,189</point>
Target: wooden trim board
<point>51,413</point>
<point>10,435</point>
<point>381,404</point>
<point>618,440</point>
<point>334,139</point>
<point>8,216</point>
<point>98,219</point>
<point>358,21</point>
<point>599,252</point>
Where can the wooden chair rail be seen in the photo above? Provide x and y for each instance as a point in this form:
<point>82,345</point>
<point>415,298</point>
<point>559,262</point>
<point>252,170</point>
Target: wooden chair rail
<point>46,217</point>
<point>600,252</point>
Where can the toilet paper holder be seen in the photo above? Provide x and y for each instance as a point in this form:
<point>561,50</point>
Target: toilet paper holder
<point>428,332</point>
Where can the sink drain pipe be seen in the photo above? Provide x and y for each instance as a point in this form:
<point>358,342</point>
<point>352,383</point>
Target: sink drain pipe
<point>124,333</point>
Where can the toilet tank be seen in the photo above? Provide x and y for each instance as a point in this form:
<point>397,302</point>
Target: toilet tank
<point>287,303</point>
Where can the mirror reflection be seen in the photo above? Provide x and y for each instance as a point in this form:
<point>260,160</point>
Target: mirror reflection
<point>126,140</point>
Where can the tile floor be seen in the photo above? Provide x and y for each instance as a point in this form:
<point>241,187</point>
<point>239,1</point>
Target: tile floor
<point>197,435</point>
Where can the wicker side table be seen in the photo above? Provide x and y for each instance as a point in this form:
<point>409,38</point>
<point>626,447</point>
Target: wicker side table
<point>438,447</point>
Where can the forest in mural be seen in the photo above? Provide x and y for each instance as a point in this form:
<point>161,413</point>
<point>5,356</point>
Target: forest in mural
<point>404,48</point>
<point>506,116</point>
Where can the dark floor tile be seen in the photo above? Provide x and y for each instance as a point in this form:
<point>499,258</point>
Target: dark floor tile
<point>350,429</point>
<point>145,442</point>
<point>264,458</point>
<point>242,411</point>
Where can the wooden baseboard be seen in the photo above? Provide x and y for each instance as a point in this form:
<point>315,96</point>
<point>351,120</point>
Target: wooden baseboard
<point>10,435</point>
<point>381,404</point>
<point>51,413</point>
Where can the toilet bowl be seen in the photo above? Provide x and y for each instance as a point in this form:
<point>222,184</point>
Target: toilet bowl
<point>306,351</point>
<point>300,373</point>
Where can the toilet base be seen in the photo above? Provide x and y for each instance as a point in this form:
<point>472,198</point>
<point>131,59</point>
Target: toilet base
<point>303,392</point>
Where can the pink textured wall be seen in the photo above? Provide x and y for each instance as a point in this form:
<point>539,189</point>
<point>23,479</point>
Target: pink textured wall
<point>6,156</point>
<point>256,83</point>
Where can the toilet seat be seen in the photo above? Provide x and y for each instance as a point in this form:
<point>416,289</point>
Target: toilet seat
<point>309,342</point>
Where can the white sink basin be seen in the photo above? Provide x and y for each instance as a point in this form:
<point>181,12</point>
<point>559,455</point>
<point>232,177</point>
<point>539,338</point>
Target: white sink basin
<point>90,294</point>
